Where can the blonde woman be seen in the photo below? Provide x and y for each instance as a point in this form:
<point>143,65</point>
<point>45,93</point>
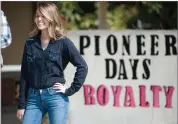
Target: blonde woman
<point>46,55</point>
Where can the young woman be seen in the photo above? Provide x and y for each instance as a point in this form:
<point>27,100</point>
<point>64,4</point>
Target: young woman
<point>46,55</point>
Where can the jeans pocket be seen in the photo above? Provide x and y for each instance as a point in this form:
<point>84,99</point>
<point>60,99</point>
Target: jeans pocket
<point>52,91</point>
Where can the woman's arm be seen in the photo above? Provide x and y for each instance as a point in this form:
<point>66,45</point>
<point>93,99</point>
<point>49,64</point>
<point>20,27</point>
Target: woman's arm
<point>23,81</point>
<point>73,55</point>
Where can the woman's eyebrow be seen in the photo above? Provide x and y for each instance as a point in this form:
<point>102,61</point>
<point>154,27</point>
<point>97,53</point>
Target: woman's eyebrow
<point>37,14</point>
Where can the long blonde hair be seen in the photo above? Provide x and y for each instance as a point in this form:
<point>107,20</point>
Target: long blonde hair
<point>50,12</point>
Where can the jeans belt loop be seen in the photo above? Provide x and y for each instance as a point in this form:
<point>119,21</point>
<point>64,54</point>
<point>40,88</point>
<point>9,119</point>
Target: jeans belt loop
<point>33,90</point>
<point>48,89</point>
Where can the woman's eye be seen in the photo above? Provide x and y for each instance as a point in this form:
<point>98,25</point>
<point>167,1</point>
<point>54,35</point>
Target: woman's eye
<point>40,16</point>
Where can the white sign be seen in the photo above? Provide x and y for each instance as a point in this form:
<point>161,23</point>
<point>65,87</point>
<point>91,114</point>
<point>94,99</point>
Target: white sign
<point>132,77</point>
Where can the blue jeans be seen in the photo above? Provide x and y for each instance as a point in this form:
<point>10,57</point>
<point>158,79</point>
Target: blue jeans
<point>46,100</point>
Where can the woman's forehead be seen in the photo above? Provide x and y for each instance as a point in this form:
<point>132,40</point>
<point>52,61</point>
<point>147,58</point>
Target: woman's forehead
<point>38,12</point>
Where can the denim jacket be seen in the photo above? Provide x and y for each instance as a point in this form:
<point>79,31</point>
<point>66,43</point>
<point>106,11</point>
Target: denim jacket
<point>41,69</point>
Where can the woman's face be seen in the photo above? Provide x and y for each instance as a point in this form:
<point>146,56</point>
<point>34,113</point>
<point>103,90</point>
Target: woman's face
<point>40,20</point>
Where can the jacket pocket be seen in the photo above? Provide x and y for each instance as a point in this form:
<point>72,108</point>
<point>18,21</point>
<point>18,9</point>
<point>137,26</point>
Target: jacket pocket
<point>31,61</point>
<point>54,55</point>
<point>30,57</point>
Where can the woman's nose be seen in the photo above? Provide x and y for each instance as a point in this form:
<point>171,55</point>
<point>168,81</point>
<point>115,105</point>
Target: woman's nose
<point>39,18</point>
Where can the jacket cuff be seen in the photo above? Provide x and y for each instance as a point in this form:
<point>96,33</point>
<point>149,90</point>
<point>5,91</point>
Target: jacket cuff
<point>21,106</point>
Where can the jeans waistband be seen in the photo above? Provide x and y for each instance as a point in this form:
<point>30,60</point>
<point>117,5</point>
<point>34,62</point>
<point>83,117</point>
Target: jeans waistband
<point>40,90</point>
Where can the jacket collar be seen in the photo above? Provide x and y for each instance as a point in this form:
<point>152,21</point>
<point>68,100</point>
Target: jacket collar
<point>38,42</point>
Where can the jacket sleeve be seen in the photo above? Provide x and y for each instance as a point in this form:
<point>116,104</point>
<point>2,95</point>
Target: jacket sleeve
<point>23,82</point>
<point>77,60</point>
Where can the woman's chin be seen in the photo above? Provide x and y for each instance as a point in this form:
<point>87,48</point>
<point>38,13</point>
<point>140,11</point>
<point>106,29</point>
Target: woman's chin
<point>41,28</point>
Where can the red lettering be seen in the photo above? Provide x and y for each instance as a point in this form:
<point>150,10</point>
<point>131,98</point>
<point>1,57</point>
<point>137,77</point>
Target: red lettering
<point>116,91</point>
<point>143,102</point>
<point>168,94</point>
<point>89,95</point>
<point>129,94</point>
<point>156,90</point>
<point>103,95</point>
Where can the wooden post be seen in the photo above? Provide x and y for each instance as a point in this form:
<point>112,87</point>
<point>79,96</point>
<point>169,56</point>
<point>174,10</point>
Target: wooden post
<point>102,12</point>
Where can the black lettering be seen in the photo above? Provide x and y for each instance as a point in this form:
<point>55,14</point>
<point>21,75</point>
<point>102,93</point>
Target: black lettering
<point>97,47</point>
<point>170,45</point>
<point>154,44</point>
<point>111,42</point>
<point>122,71</point>
<point>82,46</point>
<point>134,67</point>
<point>126,44</point>
<point>110,70</point>
<point>146,63</point>
<point>140,43</point>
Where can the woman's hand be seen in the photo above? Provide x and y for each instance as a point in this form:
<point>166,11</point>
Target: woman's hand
<point>59,87</point>
<point>20,114</point>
